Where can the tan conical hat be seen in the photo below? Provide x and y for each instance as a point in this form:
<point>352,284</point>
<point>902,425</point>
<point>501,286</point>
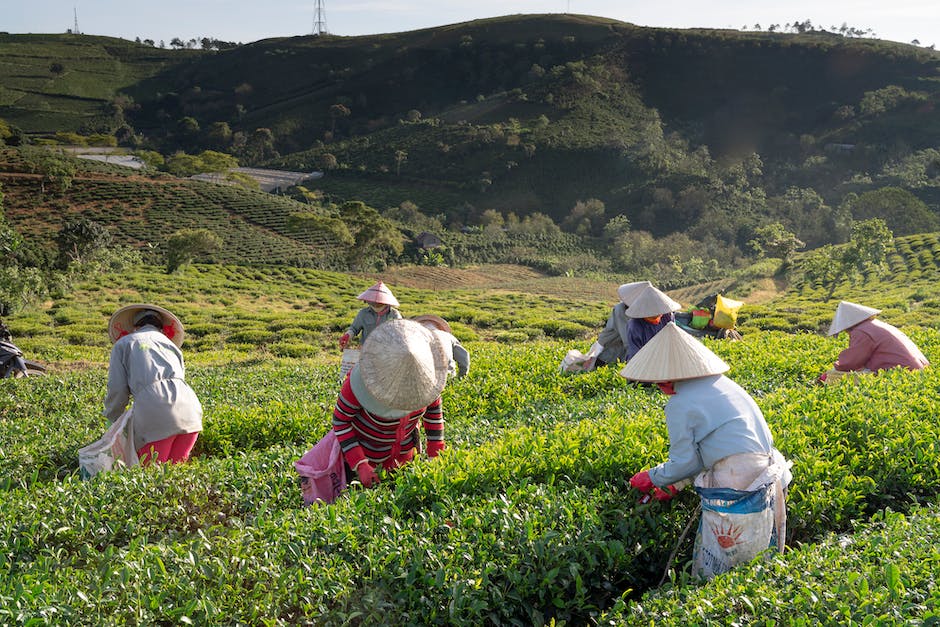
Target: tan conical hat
<point>379,293</point>
<point>125,319</point>
<point>849,314</point>
<point>402,368</point>
<point>673,355</point>
<point>629,291</point>
<point>435,321</point>
<point>651,302</point>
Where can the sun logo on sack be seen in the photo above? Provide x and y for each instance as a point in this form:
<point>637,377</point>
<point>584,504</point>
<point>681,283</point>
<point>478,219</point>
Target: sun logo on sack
<point>728,536</point>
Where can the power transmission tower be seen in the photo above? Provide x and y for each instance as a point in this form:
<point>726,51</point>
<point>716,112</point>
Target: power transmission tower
<point>319,19</point>
<point>75,30</point>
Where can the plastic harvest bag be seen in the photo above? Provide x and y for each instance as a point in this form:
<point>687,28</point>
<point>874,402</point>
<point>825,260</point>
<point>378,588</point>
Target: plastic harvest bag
<point>726,312</point>
<point>115,448</point>
<point>350,359</point>
<point>322,472</point>
<point>576,361</point>
<point>735,527</point>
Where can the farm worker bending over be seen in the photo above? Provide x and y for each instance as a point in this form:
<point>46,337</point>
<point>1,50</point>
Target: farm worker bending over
<point>460,362</point>
<point>873,345</point>
<point>612,340</point>
<point>719,438</point>
<point>381,303</point>
<point>146,363</point>
<point>650,311</point>
<point>396,385</point>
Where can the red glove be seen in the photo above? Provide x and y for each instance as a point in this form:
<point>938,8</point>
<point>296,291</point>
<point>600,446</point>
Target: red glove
<point>343,341</point>
<point>665,495</point>
<point>642,482</point>
<point>821,378</point>
<point>367,475</point>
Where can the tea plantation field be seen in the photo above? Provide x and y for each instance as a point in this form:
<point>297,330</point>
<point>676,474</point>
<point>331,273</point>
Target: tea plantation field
<point>526,518</point>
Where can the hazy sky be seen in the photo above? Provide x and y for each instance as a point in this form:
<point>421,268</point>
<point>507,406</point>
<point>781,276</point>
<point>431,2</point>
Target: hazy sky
<point>250,20</point>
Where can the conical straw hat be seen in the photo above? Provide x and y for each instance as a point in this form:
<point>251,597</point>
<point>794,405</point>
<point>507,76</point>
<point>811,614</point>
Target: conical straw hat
<point>379,293</point>
<point>402,368</point>
<point>123,322</point>
<point>673,355</point>
<point>651,302</point>
<point>629,291</point>
<point>849,314</point>
<point>435,321</point>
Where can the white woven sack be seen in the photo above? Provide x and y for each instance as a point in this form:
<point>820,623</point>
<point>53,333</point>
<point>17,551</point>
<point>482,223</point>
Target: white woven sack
<point>350,359</point>
<point>114,448</point>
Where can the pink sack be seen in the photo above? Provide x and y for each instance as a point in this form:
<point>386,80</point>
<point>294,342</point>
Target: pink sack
<point>322,472</point>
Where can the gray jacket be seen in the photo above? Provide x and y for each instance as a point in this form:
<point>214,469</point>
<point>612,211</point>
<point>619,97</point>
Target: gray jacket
<point>148,366</point>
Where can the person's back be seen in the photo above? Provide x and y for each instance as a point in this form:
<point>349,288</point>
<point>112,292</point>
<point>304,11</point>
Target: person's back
<point>875,345</point>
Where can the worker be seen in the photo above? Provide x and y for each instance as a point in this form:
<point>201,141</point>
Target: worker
<point>719,440</point>
<point>650,311</point>
<point>380,307</point>
<point>395,386</point>
<point>611,344</point>
<point>873,345</point>
<point>460,357</point>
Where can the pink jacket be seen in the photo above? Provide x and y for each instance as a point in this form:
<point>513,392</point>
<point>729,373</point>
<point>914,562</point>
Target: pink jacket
<point>877,345</point>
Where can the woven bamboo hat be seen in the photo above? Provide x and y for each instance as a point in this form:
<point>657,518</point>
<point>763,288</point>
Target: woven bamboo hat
<point>849,314</point>
<point>629,291</point>
<point>435,321</point>
<point>651,302</point>
<point>402,368</point>
<point>125,319</point>
<point>379,293</point>
<point>673,355</point>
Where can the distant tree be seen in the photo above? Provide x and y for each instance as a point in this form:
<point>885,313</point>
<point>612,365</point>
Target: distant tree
<point>316,224</point>
<point>903,212</point>
<point>327,161</point>
<point>176,42</point>
<point>376,238</point>
<point>617,226</point>
<point>185,245</point>
<point>337,111</point>
<point>413,116</point>
<point>56,68</point>
<point>586,218</point>
<point>400,157</point>
<point>79,240</point>
<point>831,266</point>
<point>260,145</point>
<point>55,169</point>
<point>775,241</point>
<point>220,135</point>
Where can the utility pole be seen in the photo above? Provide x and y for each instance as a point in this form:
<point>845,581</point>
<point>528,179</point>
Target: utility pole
<point>319,19</point>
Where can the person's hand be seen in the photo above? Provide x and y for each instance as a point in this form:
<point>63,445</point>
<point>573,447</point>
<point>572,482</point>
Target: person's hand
<point>665,495</point>
<point>642,482</point>
<point>343,341</point>
<point>367,475</point>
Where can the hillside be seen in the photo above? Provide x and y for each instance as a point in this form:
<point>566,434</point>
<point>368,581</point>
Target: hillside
<point>709,133</point>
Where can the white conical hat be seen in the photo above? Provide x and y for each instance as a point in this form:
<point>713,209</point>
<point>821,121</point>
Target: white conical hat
<point>849,314</point>
<point>629,291</point>
<point>673,355</point>
<point>435,321</point>
<point>123,321</point>
<point>379,293</point>
<point>651,302</point>
<point>402,368</point>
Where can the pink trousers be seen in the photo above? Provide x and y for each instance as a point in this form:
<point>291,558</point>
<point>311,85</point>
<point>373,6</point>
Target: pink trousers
<point>174,449</point>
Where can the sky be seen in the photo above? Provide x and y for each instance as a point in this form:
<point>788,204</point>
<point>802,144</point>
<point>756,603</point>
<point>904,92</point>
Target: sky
<point>245,21</point>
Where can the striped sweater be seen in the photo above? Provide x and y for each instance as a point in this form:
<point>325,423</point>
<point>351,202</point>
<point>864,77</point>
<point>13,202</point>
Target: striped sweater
<point>386,441</point>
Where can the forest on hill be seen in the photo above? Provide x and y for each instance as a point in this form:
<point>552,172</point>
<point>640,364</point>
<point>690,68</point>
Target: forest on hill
<point>570,143</point>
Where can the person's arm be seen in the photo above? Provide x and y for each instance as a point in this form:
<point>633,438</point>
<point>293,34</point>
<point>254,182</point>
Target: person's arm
<point>344,413</point>
<point>684,461</point>
<point>394,314</point>
<point>856,356</point>
<point>462,357</point>
<point>634,337</point>
<point>119,393</point>
<point>433,423</point>
<point>609,332</point>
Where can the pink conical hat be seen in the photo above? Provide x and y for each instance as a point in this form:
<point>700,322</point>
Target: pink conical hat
<point>849,314</point>
<point>673,355</point>
<point>379,293</point>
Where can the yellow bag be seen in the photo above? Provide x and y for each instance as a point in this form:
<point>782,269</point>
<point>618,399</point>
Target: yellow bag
<point>726,312</point>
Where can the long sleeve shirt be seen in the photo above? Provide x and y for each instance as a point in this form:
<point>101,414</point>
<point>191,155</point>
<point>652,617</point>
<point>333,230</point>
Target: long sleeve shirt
<point>387,441</point>
<point>613,337</point>
<point>876,345</point>
<point>148,366</point>
<point>639,332</point>
<point>708,419</point>
<point>366,320</point>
